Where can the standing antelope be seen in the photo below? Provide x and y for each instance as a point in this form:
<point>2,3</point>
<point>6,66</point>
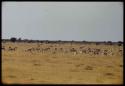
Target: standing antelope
<point>12,49</point>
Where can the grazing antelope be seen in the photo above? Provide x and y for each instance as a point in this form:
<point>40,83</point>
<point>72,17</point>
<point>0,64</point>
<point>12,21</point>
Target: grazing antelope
<point>12,49</point>
<point>82,47</point>
<point>45,50</point>
<point>105,52</point>
<point>97,51</point>
<point>29,50</point>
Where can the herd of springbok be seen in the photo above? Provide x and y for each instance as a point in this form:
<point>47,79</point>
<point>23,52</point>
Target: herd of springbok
<point>24,62</point>
<point>73,49</point>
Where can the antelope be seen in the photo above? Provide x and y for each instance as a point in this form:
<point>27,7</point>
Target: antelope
<point>105,52</point>
<point>12,49</point>
<point>74,51</point>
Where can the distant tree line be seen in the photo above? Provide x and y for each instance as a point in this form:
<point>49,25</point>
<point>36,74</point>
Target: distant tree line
<point>14,39</point>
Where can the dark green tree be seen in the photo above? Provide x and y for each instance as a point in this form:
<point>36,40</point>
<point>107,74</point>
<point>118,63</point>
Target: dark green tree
<point>13,39</point>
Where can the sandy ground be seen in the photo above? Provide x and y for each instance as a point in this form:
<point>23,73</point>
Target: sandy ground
<point>19,67</point>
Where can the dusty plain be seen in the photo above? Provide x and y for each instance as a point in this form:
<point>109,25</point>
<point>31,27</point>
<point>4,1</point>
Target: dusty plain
<point>21,67</point>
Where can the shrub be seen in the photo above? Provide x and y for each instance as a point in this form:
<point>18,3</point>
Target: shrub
<point>13,39</point>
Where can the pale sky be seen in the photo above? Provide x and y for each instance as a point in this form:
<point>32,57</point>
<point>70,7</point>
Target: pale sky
<point>90,21</point>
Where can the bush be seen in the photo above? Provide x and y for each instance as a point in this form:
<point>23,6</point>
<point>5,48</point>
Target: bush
<point>109,43</point>
<point>13,39</point>
<point>120,43</point>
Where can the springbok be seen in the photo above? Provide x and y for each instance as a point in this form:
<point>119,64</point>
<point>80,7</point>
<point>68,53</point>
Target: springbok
<point>12,49</point>
<point>74,51</point>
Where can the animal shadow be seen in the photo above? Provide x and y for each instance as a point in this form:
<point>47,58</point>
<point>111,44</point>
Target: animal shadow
<point>12,76</point>
<point>120,65</point>
<point>36,64</point>
<point>88,68</point>
<point>79,65</point>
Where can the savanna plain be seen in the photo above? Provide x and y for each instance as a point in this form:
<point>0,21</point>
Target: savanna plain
<point>47,63</point>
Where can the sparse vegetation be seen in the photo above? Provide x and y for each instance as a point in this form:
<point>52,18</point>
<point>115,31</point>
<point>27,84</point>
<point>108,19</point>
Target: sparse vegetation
<point>13,39</point>
<point>27,64</point>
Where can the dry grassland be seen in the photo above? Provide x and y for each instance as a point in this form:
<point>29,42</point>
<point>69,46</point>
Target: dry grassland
<point>20,67</point>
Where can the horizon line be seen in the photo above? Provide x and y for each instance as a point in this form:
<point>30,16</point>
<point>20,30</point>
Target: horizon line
<point>59,40</point>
